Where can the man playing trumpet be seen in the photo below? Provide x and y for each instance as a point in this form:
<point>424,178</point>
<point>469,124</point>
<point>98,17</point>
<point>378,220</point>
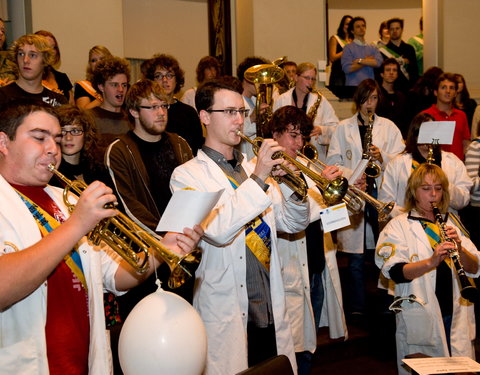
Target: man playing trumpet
<point>308,254</point>
<point>239,289</point>
<point>51,279</point>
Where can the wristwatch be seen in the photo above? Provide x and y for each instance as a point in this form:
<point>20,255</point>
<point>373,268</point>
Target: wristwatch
<point>360,61</point>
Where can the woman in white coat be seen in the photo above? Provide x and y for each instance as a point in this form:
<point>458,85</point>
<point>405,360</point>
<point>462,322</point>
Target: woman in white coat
<point>346,148</point>
<point>398,170</point>
<point>301,96</point>
<point>432,318</point>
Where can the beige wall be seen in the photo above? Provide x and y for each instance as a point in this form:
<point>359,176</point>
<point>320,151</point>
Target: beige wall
<point>175,27</point>
<point>295,29</point>
<point>460,23</point>
<point>78,26</point>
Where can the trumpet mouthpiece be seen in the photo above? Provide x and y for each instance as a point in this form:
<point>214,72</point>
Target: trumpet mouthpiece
<point>51,167</point>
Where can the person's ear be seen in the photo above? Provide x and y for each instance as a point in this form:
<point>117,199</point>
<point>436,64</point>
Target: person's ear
<point>4,142</point>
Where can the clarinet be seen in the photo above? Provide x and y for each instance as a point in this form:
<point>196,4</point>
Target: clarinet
<point>467,290</point>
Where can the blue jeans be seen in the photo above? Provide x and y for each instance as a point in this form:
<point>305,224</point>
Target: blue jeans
<point>356,285</point>
<point>316,295</point>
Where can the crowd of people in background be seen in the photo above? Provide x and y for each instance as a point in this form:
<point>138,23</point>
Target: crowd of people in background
<point>269,276</point>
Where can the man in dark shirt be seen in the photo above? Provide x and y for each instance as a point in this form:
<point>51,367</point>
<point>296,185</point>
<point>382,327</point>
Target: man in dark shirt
<point>111,78</point>
<point>140,164</point>
<point>182,118</point>
<point>404,53</point>
<point>393,103</point>
<point>32,55</point>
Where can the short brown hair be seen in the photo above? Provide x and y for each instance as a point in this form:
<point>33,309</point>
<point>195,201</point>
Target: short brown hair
<point>143,89</point>
<point>418,177</point>
<point>108,68</point>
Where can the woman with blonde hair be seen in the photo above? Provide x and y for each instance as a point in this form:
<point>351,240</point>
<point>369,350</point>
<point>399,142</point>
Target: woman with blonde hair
<point>85,95</point>
<point>53,79</point>
<point>432,316</point>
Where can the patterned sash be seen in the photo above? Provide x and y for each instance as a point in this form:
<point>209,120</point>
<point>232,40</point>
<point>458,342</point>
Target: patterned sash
<point>433,234</point>
<point>46,223</point>
<point>257,235</point>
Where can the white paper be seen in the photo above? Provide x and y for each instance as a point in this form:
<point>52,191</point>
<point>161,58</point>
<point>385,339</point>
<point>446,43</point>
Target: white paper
<point>334,217</point>
<point>438,132</point>
<point>358,172</point>
<point>187,208</point>
<point>442,365</point>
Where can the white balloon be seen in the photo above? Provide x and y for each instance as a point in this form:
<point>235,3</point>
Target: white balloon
<point>163,334</point>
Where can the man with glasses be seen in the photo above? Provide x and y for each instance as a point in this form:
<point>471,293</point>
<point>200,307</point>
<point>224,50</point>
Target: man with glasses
<point>239,290</point>
<point>140,164</point>
<point>315,105</point>
<point>31,54</point>
<point>111,78</point>
<point>359,58</point>
<point>182,118</point>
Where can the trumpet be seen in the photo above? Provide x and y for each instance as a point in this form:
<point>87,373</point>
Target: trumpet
<point>467,290</point>
<point>132,242</point>
<point>332,191</point>
<point>354,196</point>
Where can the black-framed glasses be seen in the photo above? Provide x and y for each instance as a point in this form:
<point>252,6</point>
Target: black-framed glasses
<point>72,132</point>
<point>231,112</point>
<point>160,76</point>
<point>155,107</point>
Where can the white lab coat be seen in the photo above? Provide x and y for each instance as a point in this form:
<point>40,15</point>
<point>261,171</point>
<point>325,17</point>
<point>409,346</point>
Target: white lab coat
<point>220,294</point>
<point>346,152</point>
<point>292,250</point>
<point>325,118</point>
<point>420,328</point>
<point>22,325</point>
<point>398,170</point>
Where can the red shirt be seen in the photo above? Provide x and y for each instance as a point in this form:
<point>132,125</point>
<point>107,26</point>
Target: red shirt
<point>461,133</point>
<point>67,329</point>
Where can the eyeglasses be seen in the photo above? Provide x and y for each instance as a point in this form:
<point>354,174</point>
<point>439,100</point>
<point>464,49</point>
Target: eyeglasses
<point>155,107</point>
<point>73,132</point>
<point>160,76</point>
<point>231,112</point>
<point>311,79</point>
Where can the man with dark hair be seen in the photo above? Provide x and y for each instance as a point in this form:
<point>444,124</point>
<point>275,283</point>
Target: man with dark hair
<point>359,58</point>
<point>444,110</point>
<point>250,100</point>
<point>32,54</point>
<point>140,164</point>
<point>111,78</point>
<point>182,118</point>
<point>404,53</point>
<point>348,144</point>
<point>51,278</point>
<point>393,103</point>
<point>304,254</point>
<point>239,289</point>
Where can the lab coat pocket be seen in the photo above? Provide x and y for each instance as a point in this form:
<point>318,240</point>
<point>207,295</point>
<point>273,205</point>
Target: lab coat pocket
<point>20,358</point>
<point>217,296</point>
<point>419,324</point>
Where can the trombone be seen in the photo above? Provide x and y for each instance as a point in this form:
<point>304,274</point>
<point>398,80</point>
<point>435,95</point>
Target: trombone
<point>354,196</point>
<point>132,242</point>
<point>332,191</point>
